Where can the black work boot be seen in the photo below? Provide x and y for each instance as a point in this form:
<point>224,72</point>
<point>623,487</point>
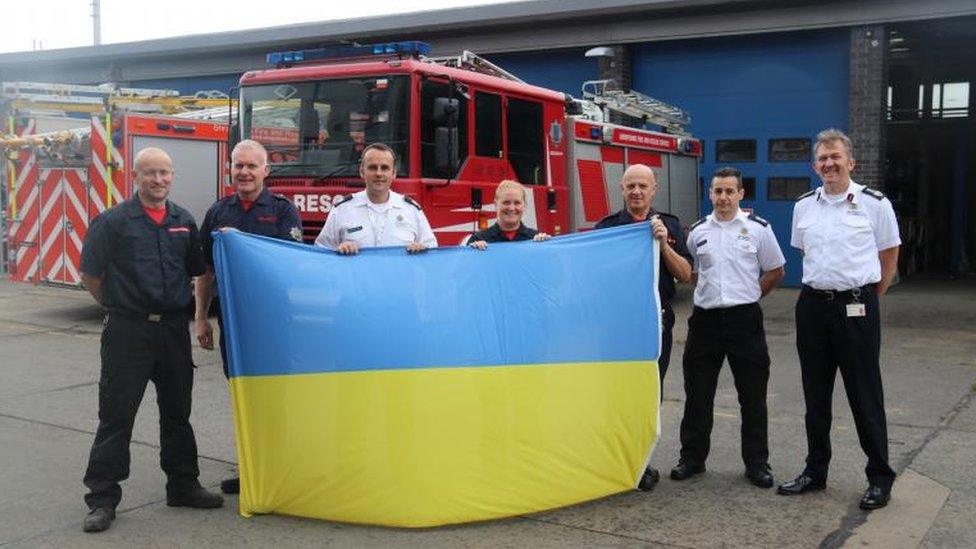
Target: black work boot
<point>198,498</point>
<point>99,519</point>
<point>231,486</point>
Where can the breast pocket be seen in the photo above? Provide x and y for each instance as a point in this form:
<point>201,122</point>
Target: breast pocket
<point>807,231</point>
<point>178,243</point>
<point>357,233</point>
<point>404,233</point>
<point>858,233</point>
<point>744,246</point>
<point>706,256</point>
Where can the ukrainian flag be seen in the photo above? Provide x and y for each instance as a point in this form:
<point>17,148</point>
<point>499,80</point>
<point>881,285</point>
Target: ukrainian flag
<point>451,386</point>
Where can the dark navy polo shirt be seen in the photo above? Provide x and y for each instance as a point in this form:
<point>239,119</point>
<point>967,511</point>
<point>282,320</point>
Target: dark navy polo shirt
<point>270,215</point>
<point>495,234</point>
<point>144,267</point>
<point>676,238</point>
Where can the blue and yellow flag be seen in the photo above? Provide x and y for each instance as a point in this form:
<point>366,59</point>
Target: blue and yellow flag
<point>451,386</point>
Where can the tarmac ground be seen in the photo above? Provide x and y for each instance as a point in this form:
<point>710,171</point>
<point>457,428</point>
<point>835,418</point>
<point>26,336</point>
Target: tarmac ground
<point>49,364</point>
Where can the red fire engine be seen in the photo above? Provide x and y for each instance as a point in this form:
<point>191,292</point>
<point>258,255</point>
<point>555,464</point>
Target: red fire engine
<point>459,126</point>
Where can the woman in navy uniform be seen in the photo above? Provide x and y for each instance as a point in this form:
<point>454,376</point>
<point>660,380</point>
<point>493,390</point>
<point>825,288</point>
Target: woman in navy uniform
<point>508,227</point>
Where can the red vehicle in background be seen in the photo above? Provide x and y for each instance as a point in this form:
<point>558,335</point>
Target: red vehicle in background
<point>459,126</point>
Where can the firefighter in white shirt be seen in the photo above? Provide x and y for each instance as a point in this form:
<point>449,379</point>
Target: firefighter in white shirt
<point>376,216</point>
<point>737,262</point>
<point>849,238</point>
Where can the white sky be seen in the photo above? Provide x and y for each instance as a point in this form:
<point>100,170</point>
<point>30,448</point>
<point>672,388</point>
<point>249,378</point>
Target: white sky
<point>52,24</point>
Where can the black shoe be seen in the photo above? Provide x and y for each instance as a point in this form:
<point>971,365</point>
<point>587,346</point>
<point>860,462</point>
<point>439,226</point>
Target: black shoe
<point>800,485</point>
<point>875,497</point>
<point>197,498</point>
<point>760,476</point>
<point>685,470</point>
<point>649,480</point>
<point>99,519</point>
<point>231,486</point>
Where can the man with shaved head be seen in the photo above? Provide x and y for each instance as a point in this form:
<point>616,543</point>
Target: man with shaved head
<point>639,185</point>
<point>137,262</point>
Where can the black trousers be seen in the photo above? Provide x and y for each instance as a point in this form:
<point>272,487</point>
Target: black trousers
<point>714,334</point>
<point>667,324</point>
<point>134,352</point>
<point>828,339</point>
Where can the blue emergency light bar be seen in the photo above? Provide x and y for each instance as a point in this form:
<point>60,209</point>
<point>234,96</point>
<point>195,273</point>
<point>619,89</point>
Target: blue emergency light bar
<point>411,48</point>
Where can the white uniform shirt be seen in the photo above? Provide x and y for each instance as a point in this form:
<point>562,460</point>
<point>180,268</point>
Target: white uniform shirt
<point>841,236</point>
<point>730,257</point>
<point>395,223</point>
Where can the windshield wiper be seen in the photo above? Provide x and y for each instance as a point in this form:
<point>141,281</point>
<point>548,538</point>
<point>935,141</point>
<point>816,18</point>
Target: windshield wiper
<point>339,168</point>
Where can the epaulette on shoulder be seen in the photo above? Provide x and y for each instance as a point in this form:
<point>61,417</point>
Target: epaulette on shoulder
<point>280,196</point>
<point>697,223</point>
<point>412,202</point>
<point>666,214</point>
<point>873,193</point>
<point>806,194</point>
<point>341,199</point>
<point>757,219</point>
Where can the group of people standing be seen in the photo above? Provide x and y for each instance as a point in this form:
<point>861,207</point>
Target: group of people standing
<point>139,258</point>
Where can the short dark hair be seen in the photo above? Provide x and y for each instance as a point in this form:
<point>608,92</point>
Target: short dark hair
<point>379,147</point>
<point>729,171</point>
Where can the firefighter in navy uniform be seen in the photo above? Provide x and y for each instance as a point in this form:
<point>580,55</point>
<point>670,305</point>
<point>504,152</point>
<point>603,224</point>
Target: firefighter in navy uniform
<point>137,262</point>
<point>251,209</point>
<point>849,238</point>
<point>731,251</point>
<point>638,186</point>
<point>509,209</point>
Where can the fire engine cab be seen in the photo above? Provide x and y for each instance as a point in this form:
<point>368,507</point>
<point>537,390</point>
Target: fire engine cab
<point>459,125</point>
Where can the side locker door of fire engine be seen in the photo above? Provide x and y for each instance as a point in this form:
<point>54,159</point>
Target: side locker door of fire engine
<point>683,194</point>
<point>64,223</point>
<point>195,164</point>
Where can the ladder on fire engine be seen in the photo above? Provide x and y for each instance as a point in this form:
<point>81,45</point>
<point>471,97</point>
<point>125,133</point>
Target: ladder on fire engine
<point>36,96</point>
<point>608,96</point>
<point>471,61</point>
<point>64,99</point>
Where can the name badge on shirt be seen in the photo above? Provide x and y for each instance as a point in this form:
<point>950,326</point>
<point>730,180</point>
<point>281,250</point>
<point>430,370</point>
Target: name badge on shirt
<point>856,309</point>
<point>354,229</point>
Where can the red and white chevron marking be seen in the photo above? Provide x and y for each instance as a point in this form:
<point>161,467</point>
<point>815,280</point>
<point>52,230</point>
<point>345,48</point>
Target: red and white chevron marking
<point>64,221</point>
<point>98,171</point>
<point>23,228</point>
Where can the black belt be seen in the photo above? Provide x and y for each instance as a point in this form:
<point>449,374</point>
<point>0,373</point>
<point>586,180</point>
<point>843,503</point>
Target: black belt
<point>149,316</point>
<point>729,309</point>
<point>834,295</point>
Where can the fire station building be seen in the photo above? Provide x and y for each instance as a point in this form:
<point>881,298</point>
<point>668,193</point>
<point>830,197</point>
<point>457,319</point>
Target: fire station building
<point>759,78</point>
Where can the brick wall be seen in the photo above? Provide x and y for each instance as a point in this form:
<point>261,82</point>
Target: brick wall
<point>868,84</point>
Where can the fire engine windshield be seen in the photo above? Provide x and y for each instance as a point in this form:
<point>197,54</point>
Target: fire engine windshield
<point>320,128</point>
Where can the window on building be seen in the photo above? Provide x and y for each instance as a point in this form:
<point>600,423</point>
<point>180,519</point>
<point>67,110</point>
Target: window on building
<point>488,125</point>
<point>950,100</point>
<point>789,150</point>
<point>749,186</point>
<point>735,150</point>
<point>434,120</point>
<point>526,148</point>
<point>786,188</point>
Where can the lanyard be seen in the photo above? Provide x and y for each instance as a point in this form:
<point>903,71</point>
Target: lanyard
<point>378,231</point>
